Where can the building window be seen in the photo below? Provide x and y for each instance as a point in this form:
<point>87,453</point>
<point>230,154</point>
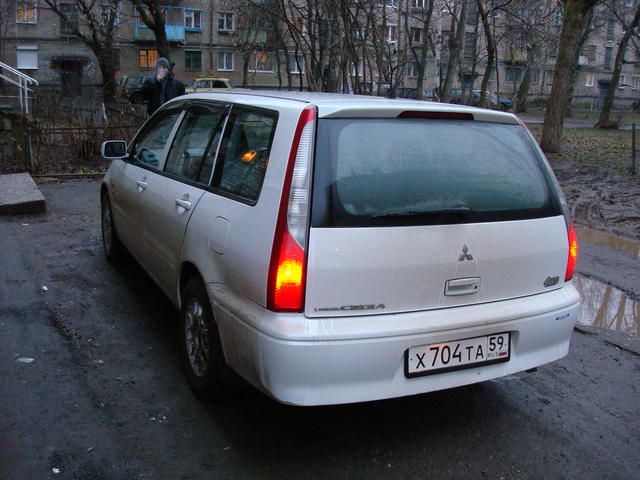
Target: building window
<point>27,11</point>
<point>608,52</point>
<point>589,81</point>
<point>549,76</point>
<point>590,53</point>
<point>469,46</point>
<point>193,20</point>
<point>535,76</point>
<point>391,33</point>
<point>69,24</point>
<point>115,57</point>
<point>622,81</point>
<point>225,22</point>
<point>415,35</point>
<point>635,82</point>
<point>417,3</point>
<point>193,60</point>
<point>107,12</point>
<point>27,57</point>
<point>225,61</point>
<point>611,26</point>
<point>261,62</point>
<point>296,62</point>
<point>412,69</point>
<point>514,74</point>
<point>147,59</point>
<point>472,12</point>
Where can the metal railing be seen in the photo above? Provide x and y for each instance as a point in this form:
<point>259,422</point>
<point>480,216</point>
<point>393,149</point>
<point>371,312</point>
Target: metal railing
<point>21,81</point>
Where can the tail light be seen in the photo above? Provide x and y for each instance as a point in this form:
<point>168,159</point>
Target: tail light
<point>573,253</point>
<point>287,270</point>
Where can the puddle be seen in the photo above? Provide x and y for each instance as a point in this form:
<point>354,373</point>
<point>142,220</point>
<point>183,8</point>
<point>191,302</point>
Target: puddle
<point>627,245</point>
<point>605,306</point>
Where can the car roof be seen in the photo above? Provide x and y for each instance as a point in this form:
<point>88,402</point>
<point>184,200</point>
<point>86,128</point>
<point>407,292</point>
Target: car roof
<point>338,105</point>
<point>212,78</point>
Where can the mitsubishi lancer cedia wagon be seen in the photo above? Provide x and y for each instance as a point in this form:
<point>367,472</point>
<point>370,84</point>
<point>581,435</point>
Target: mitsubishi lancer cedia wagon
<point>333,249</point>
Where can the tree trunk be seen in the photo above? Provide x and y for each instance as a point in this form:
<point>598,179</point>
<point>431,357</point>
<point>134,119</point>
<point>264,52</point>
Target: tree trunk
<point>523,90</point>
<point>455,43</point>
<point>245,69</point>
<point>109,86</point>
<point>604,120</point>
<point>486,26</point>
<point>576,12</point>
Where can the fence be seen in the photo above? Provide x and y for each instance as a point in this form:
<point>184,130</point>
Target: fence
<point>62,137</point>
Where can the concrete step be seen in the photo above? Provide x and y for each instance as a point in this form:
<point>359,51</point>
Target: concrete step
<point>20,195</point>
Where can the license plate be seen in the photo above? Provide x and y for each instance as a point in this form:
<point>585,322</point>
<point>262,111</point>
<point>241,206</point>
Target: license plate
<point>459,354</point>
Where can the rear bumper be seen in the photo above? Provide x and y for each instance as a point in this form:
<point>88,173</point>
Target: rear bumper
<point>304,361</point>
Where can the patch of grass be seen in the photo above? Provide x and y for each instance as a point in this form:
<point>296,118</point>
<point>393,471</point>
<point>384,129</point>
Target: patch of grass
<point>594,147</point>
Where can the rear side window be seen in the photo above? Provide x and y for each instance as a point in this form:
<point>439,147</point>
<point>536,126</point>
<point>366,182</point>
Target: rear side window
<point>244,153</point>
<point>194,147</point>
<point>372,172</point>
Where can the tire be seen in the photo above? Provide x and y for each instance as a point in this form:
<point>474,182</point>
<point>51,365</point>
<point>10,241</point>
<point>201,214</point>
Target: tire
<point>208,374</point>
<point>113,248</point>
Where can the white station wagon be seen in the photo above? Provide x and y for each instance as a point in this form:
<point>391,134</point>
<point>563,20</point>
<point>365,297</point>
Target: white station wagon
<point>334,249</point>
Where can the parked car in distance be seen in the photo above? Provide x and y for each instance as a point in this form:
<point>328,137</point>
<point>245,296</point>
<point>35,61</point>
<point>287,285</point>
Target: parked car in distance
<point>132,87</point>
<point>473,98</point>
<point>335,248</point>
<point>503,103</point>
<point>411,92</point>
<point>207,84</point>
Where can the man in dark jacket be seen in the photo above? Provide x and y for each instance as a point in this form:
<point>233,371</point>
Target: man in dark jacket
<point>163,87</point>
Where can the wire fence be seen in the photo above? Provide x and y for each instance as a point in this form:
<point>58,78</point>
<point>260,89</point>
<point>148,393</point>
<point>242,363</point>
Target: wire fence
<point>63,136</point>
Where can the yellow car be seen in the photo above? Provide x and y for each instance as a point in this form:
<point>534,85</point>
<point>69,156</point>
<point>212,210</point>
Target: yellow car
<point>209,84</point>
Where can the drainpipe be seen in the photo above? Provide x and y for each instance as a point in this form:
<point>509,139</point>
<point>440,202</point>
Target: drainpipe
<point>211,38</point>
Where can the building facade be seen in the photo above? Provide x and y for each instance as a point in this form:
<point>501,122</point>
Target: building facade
<point>211,38</point>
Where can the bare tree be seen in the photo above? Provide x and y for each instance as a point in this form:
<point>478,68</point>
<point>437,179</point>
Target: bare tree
<point>458,13</point>
<point>629,28</point>
<point>94,22</point>
<point>576,15</point>
<point>152,13</point>
<point>420,19</point>
<point>533,30</point>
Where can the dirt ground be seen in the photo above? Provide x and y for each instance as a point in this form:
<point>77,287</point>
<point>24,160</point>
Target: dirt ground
<point>601,198</point>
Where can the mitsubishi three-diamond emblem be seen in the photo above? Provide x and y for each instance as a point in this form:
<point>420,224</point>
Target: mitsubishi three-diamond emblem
<point>465,254</point>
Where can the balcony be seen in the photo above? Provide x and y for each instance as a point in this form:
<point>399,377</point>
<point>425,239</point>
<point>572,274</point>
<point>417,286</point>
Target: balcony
<point>178,21</point>
<point>515,55</point>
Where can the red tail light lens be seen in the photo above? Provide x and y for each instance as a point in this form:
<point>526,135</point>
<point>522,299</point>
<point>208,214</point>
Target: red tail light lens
<point>287,277</point>
<point>287,270</point>
<point>573,253</point>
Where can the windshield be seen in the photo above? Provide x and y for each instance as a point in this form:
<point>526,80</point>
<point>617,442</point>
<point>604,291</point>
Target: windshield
<point>418,171</point>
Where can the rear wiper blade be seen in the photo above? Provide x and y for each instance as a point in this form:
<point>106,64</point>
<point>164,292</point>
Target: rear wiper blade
<point>462,210</point>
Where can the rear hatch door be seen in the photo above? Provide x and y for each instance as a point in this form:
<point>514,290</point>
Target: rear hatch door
<point>412,214</point>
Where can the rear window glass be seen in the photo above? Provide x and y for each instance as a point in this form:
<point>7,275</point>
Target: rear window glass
<point>373,172</point>
<point>244,153</point>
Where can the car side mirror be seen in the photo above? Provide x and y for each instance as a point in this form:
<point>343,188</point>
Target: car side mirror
<point>113,150</point>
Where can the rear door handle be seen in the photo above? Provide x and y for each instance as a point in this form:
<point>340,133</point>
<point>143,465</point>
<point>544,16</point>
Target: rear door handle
<point>183,203</point>
<point>142,186</point>
<point>462,286</point>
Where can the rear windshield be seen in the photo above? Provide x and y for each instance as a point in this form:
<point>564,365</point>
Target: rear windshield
<point>375,172</point>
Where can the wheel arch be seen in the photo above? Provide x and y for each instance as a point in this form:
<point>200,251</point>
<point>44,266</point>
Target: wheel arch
<point>187,271</point>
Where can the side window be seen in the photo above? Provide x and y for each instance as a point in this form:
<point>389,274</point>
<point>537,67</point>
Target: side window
<point>194,147</point>
<point>244,152</point>
<point>150,145</point>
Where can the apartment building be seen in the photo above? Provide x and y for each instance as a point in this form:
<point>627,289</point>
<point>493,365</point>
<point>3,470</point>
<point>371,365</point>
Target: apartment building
<point>206,38</point>
<point>201,34</point>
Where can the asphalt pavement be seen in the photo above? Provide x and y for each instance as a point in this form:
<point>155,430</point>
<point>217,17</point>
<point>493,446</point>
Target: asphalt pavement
<point>91,388</point>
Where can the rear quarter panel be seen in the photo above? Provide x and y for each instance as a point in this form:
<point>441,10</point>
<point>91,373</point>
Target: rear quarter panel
<point>242,262</point>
